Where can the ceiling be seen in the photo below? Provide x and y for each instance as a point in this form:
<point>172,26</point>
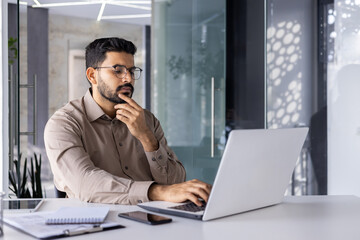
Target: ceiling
<point>123,11</point>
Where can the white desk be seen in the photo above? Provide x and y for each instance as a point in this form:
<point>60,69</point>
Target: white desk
<point>305,218</point>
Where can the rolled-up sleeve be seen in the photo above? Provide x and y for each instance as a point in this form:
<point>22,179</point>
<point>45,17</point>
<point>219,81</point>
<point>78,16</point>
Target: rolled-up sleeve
<point>76,174</point>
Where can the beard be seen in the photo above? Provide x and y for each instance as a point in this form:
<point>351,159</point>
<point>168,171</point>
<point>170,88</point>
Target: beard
<point>111,96</point>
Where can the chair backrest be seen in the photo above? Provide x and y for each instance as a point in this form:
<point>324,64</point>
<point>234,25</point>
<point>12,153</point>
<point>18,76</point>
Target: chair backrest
<point>59,194</point>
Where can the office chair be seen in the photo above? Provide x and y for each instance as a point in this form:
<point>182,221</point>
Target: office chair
<point>59,194</point>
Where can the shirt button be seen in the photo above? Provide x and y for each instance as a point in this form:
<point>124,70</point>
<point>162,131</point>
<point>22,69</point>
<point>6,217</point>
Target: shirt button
<point>154,159</point>
<point>160,157</point>
<point>126,167</point>
<point>120,144</point>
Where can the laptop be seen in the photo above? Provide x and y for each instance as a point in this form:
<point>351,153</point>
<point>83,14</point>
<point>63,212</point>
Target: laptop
<point>254,172</point>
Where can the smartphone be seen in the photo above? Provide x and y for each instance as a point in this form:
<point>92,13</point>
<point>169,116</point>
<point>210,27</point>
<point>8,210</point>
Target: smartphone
<point>144,217</point>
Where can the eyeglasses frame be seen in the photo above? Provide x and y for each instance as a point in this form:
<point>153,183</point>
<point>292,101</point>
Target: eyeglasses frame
<point>127,70</point>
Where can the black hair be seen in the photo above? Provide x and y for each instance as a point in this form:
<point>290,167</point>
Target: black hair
<point>96,51</point>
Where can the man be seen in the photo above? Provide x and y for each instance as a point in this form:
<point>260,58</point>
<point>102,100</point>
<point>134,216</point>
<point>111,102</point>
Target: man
<point>105,148</point>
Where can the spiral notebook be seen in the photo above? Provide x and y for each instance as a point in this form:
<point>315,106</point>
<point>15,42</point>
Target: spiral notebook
<point>76,215</point>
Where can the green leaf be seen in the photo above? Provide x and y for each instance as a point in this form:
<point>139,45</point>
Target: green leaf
<point>23,188</point>
<point>38,188</point>
<point>13,182</point>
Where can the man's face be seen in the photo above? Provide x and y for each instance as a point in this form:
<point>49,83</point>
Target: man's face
<point>109,84</point>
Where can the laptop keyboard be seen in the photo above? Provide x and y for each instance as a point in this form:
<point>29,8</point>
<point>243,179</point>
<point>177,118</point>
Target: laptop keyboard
<point>190,207</point>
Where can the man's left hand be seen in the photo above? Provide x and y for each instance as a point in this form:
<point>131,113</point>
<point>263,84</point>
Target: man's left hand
<point>133,116</point>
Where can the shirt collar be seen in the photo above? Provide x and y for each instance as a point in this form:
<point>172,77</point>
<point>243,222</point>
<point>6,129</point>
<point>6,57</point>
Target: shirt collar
<point>93,110</point>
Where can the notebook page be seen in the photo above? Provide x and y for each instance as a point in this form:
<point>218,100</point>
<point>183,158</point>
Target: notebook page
<point>75,215</point>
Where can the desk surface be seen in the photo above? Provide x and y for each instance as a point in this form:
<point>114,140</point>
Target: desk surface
<point>307,217</point>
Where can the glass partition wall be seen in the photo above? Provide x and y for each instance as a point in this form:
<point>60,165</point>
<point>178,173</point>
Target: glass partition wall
<point>290,83</point>
<point>189,81</point>
<point>269,51</point>
<point>342,68</point>
<point>28,93</point>
<point>50,69</point>
<point>13,51</point>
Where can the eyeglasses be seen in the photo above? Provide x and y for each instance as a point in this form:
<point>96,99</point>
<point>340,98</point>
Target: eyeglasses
<point>120,71</point>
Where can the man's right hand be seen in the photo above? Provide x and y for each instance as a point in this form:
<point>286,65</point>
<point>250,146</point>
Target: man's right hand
<point>191,190</point>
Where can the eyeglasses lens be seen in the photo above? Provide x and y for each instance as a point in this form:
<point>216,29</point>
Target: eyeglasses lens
<point>121,71</point>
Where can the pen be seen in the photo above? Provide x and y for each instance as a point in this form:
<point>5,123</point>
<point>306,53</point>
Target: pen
<point>72,232</point>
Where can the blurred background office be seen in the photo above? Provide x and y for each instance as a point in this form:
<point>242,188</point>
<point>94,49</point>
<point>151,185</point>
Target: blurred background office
<point>210,66</point>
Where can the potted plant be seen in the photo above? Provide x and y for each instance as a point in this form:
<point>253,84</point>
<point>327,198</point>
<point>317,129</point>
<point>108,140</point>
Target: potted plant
<point>13,51</point>
<point>18,177</point>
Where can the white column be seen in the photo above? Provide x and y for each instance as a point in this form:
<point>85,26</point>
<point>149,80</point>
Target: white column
<point>158,56</point>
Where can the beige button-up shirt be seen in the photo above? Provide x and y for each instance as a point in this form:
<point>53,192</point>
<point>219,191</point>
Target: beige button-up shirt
<point>95,158</point>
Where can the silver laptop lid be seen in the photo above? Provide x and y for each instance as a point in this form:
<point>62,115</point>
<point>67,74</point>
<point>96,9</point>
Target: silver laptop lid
<point>255,170</point>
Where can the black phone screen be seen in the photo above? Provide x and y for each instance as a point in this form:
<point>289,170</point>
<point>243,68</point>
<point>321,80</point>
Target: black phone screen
<point>145,217</point>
